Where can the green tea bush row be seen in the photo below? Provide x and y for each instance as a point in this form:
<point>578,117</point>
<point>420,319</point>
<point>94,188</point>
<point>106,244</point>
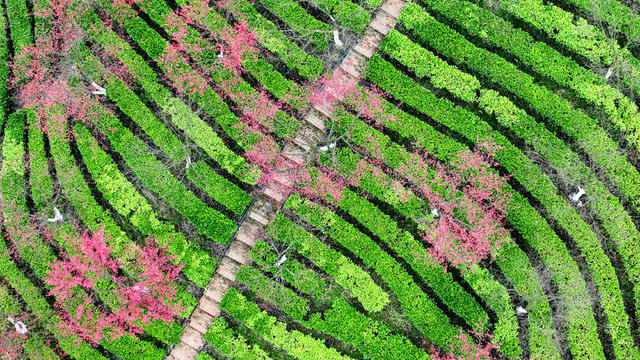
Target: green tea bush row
<point>294,272</point>
<point>522,216</point>
<point>231,344</point>
<point>621,111</point>
<point>297,18</point>
<point>38,255</point>
<point>506,328</point>
<point>417,306</point>
<point>41,183</point>
<point>344,272</point>
<point>412,251</point>
<point>617,220</point>
<point>307,66</point>
<point>200,266</point>
<point>37,304</point>
<point>348,14</point>
<point>613,12</point>
<point>151,42</point>
<point>295,343</point>
<point>373,339</point>
<point>580,127</point>
<point>280,86</point>
<point>4,69</point>
<point>239,90</point>
<point>274,292</point>
<point>19,24</point>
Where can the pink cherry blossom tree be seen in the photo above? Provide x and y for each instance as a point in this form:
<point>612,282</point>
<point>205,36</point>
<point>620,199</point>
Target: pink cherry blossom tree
<point>468,197</point>
<point>467,349</point>
<point>89,274</point>
<point>471,207</point>
<point>45,72</point>
<point>11,341</point>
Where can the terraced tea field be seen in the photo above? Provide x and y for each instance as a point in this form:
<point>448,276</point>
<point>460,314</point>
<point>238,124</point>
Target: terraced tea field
<point>319,179</point>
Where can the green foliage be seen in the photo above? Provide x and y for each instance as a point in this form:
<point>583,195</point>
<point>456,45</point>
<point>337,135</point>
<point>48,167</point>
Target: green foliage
<point>426,64</point>
<point>4,69</point>
<point>522,215</point>
<point>299,345</point>
<point>401,241</point>
<point>613,12</point>
<point>231,344</point>
<point>306,65</point>
<point>274,292</point>
<point>345,273</point>
<point>346,13</point>
<point>37,304</point>
<point>292,271</point>
<point>621,111</point>
<point>41,182</point>
<point>374,339</point>
<point>219,188</point>
<point>19,23</point>
<point>300,21</point>
<point>417,306</point>
<point>579,126</point>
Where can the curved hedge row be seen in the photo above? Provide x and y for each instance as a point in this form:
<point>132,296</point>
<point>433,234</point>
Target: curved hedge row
<point>344,272</point>
<point>577,34</point>
<point>510,116</point>
<point>620,110</point>
<point>523,216</point>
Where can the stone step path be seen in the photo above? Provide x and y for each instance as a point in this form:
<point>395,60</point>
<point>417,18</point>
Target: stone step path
<point>264,209</point>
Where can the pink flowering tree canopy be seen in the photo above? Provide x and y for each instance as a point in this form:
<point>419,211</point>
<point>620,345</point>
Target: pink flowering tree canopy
<point>89,277</point>
<point>467,349</point>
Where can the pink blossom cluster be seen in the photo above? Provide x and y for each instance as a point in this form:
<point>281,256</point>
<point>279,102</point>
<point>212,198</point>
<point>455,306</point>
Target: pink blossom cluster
<point>471,200</point>
<point>467,349</point>
<point>88,274</point>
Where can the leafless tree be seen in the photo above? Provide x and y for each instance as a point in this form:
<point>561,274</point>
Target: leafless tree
<point>620,71</point>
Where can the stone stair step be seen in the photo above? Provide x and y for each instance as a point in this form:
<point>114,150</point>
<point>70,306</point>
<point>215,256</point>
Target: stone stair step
<point>238,251</point>
<point>369,43</point>
<point>182,351</point>
<point>354,64</point>
<point>201,321</point>
<point>383,23</point>
<point>294,154</point>
<point>228,268</point>
<point>316,121</point>
<point>209,306</point>
<point>192,337</point>
<point>275,192</point>
<point>393,7</point>
<point>259,218</point>
<point>218,286</point>
<point>303,142</point>
<point>248,233</point>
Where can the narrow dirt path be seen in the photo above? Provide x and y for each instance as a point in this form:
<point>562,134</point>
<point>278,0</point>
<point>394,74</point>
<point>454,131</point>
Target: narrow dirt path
<point>263,211</point>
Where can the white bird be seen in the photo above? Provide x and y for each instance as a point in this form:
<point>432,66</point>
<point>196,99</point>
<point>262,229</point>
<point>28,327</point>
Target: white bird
<point>521,311</point>
<point>282,260</point>
<point>336,38</point>
<point>435,213</point>
<point>221,55</point>
<point>143,288</point>
<point>327,147</point>
<point>21,328</point>
<point>99,89</point>
<point>608,74</point>
<point>57,216</point>
<point>188,161</point>
<point>576,197</point>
